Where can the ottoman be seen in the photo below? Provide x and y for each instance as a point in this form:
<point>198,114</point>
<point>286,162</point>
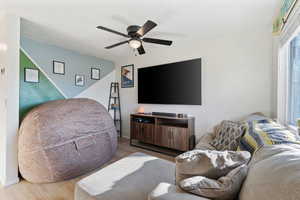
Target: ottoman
<point>167,191</point>
<point>131,178</point>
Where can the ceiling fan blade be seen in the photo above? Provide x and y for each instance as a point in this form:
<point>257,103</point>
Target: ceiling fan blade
<point>141,50</point>
<point>115,45</point>
<point>148,26</point>
<point>158,41</point>
<point>112,31</point>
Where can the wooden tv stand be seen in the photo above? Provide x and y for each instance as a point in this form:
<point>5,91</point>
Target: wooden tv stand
<point>170,135</point>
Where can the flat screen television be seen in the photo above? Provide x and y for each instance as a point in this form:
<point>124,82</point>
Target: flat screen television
<point>173,83</point>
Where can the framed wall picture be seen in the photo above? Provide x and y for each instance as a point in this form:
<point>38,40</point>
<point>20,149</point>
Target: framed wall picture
<point>79,80</point>
<point>127,76</point>
<point>58,67</point>
<point>95,73</point>
<point>31,75</point>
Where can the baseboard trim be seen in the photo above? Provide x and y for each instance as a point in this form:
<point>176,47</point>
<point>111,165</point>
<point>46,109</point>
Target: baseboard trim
<point>10,182</point>
<point>125,136</point>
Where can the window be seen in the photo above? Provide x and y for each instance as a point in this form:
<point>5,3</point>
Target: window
<point>287,50</point>
<point>294,81</point>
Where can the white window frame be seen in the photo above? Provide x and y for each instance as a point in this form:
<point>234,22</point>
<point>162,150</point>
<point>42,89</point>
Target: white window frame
<point>292,29</point>
<point>284,87</point>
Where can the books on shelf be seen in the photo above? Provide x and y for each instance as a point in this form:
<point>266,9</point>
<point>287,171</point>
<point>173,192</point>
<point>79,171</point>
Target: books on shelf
<point>114,106</point>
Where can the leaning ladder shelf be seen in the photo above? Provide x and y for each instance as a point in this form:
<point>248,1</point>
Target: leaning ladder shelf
<point>114,106</point>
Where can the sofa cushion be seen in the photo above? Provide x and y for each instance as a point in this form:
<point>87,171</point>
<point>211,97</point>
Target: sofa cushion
<point>204,142</point>
<point>266,132</point>
<point>274,173</point>
<point>225,188</point>
<point>212,164</point>
<point>228,135</point>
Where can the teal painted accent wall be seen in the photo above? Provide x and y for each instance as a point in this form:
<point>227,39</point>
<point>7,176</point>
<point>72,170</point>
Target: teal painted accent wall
<point>34,94</point>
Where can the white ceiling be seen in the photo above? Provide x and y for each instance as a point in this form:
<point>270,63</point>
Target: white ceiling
<point>72,23</point>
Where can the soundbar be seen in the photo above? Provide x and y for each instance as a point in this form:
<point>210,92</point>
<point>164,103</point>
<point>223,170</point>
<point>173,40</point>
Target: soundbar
<point>164,114</point>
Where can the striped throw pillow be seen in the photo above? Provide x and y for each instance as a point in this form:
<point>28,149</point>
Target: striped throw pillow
<point>266,132</point>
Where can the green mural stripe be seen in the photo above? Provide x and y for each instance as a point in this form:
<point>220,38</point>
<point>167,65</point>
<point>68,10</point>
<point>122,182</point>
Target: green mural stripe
<point>34,94</point>
<point>42,71</point>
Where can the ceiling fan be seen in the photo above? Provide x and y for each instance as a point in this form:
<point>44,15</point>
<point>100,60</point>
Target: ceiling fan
<point>135,35</point>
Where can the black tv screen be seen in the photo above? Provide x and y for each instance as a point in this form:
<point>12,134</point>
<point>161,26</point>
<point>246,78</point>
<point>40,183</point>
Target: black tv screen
<point>174,83</point>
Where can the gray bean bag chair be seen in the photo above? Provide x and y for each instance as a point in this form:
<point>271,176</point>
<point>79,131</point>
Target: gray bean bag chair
<point>64,139</point>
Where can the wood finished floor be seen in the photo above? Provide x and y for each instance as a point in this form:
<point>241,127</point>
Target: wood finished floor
<point>64,190</point>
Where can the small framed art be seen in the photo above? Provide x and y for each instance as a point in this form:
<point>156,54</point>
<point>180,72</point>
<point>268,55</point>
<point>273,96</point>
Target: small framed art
<point>58,67</point>
<point>95,73</point>
<point>31,75</point>
<point>79,80</point>
<point>127,76</point>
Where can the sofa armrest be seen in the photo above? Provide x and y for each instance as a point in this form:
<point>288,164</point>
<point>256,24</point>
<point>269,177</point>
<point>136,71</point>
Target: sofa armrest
<point>167,191</point>
<point>204,142</point>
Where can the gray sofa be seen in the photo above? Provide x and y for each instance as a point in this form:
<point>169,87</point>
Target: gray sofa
<point>274,173</point>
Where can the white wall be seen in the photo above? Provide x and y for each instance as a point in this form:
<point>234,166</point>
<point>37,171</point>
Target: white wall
<point>99,91</point>
<point>3,95</point>
<point>236,77</point>
<point>275,54</point>
<point>9,98</point>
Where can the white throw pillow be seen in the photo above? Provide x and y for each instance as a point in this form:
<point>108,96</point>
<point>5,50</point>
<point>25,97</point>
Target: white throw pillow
<point>211,164</point>
<point>225,188</point>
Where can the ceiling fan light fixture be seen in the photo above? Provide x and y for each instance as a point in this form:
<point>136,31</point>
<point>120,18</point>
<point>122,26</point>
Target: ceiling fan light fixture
<point>134,43</point>
<point>135,37</point>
